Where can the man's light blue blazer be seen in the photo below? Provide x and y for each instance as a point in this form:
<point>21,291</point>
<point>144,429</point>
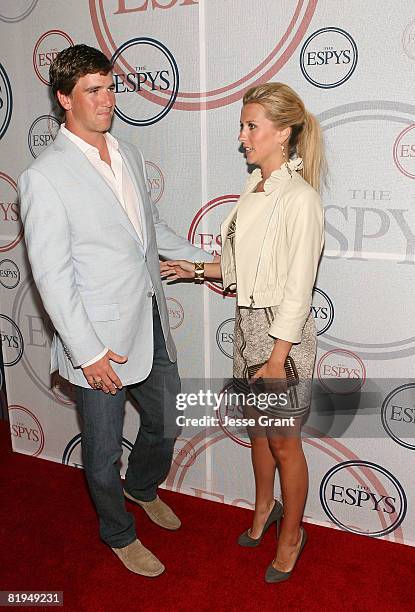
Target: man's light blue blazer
<point>94,274</point>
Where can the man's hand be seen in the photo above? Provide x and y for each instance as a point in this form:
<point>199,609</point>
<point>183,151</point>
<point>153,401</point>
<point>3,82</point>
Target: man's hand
<point>101,376</point>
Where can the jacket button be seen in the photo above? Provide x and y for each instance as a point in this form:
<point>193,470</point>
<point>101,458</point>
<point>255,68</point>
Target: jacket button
<point>150,293</point>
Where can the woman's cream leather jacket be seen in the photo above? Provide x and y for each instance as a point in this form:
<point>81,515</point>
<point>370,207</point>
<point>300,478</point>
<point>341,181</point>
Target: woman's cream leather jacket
<point>277,249</point>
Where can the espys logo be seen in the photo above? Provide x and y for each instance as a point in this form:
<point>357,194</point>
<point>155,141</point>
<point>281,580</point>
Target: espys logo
<point>398,415</point>
<point>12,11</point>
<point>11,231</point>
<point>144,67</point>
<point>184,454</point>
<point>328,57</point>
<point>26,430</point>
<point>204,231</point>
<point>404,152</point>
<point>6,101</point>
<point>42,132</point>
<point>176,312</point>
<point>233,411</point>
<point>371,228</point>
<point>354,492</point>
<point>72,455</point>
<point>63,390</point>
<point>323,311</point>
<point>9,274</point>
<point>408,40</point>
<point>11,341</point>
<point>46,49</point>
<point>224,337</point>
<point>155,181</point>
<point>280,37</point>
<point>341,372</point>
<point>37,329</point>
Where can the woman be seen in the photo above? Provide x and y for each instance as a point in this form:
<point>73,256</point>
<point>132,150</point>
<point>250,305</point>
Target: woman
<point>272,242</point>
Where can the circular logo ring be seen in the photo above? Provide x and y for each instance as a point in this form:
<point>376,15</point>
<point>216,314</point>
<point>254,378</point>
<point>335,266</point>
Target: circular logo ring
<point>218,337</point>
<point>19,333</point>
<point>275,60</point>
<point>343,115</point>
<point>9,101</point>
<point>36,420</point>
<point>395,151</point>
<point>41,39</point>
<point>18,274</point>
<point>360,381</point>
<point>375,467</point>
<point>49,118</point>
<point>383,415</point>
<point>173,94</point>
<point>22,15</point>
<point>331,306</point>
<point>226,199</point>
<point>76,440</point>
<point>13,243</point>
<point>346,76</point>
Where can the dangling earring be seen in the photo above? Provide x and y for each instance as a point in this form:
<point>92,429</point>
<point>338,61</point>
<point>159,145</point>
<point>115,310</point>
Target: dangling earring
<point>285,160</point>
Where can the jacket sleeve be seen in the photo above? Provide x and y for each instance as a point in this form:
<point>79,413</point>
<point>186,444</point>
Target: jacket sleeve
<point>171,245</point>
<point>305,236</point>
<point>48,242</point>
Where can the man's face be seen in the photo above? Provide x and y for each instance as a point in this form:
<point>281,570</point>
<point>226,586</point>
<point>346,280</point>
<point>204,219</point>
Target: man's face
<point>90,105</point>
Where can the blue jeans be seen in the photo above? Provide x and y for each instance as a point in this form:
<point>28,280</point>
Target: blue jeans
<point>149,463</point>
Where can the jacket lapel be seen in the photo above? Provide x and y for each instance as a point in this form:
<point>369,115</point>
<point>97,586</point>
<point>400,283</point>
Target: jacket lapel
<point>139,186</point>
<point>104,198</point>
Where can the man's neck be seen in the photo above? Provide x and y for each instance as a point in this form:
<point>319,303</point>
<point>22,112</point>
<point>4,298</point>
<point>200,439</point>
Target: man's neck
<point>95,139</point>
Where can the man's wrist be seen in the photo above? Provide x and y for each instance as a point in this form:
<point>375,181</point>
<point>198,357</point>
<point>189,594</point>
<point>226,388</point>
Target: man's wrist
<point>95,359</point>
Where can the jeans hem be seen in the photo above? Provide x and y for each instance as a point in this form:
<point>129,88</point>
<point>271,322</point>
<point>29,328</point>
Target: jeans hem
<point>121,545</point>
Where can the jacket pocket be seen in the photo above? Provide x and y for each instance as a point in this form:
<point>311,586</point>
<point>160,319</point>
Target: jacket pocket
<point>103,312</point>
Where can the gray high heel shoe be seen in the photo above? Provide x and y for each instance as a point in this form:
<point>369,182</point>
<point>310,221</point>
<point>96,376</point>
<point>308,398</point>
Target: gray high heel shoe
<point>274,575</point>
<point>274,517</point>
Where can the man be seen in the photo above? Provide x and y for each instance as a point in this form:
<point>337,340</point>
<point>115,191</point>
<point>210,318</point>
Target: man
<point>93,239</point>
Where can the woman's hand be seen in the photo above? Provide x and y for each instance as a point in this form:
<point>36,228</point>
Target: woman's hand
<point>174,270</point>
<point>183,269</point>
<point>273,375</point>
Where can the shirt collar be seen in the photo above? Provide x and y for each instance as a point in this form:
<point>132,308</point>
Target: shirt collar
<point>85,147</point>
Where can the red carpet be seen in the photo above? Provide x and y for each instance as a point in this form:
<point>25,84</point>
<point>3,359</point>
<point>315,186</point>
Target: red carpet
<point>49,541</point>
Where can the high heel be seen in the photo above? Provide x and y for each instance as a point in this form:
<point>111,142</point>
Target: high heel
<point>274,517</point>
<point>274,575</point>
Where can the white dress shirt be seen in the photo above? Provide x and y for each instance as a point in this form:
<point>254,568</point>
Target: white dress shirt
<point>119,180</point>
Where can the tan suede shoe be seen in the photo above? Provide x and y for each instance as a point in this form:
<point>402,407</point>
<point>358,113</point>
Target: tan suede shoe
<point>159,512</point>
<point>138,559</point>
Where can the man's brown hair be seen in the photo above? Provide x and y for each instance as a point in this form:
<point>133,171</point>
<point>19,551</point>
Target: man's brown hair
<point>73,63</point>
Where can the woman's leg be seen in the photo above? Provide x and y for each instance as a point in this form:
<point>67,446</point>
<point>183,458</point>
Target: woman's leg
<point>264,466</point>
<point>286,448</point>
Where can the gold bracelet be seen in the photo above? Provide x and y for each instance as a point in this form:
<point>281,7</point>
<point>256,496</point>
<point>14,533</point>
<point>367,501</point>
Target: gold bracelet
<point>199,272</point>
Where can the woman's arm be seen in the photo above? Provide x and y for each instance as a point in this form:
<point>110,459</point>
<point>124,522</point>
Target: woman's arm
<point>174,270</point>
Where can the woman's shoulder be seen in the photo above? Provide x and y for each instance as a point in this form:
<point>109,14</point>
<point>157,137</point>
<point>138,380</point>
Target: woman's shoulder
<point>300,193</point>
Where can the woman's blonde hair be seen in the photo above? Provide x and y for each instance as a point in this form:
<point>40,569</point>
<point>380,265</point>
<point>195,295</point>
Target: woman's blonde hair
<point>286,109</point>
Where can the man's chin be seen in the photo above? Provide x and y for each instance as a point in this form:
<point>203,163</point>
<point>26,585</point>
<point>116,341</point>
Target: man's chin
<point>105,125</point>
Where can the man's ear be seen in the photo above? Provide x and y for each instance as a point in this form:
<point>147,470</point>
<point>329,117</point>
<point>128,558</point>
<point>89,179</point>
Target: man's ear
<point>64,100</point>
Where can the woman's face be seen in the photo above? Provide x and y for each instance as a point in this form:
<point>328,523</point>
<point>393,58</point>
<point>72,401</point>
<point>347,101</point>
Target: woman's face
<point>260,137</point>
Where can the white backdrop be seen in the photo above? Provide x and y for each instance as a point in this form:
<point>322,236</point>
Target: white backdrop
<point>182,67</point>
